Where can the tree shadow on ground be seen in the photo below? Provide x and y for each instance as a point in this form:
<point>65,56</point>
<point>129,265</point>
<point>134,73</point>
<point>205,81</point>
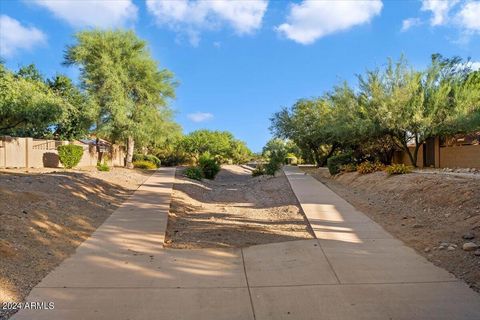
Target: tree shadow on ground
<point>45,216</point>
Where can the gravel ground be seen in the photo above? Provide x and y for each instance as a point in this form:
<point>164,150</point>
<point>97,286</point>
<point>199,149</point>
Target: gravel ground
<point>234,210</point>
<point>45,214</point>
<point>431,213</point>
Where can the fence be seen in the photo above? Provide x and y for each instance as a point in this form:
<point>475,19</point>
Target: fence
<point>39,153</point>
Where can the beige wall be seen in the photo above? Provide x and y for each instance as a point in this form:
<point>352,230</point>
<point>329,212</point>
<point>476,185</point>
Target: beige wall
<point>467,156</point>
<point>402,157</point>
<point>460,156</point>
<point>37,153</point>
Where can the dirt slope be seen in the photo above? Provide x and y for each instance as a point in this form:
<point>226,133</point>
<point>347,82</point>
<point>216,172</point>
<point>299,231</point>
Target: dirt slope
<point>234,210</point>
<point>46,215</point>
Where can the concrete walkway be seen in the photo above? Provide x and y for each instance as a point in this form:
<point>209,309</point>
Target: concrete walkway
<point>354,270</point>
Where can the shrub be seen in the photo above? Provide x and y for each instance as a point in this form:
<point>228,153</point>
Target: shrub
<point>142,164</point>
<point>258,171</point>
<point>209,166</point>
<point>334,163</point>
<point>369,167</point>
<point>147,157</point>
<point>272,167</point>
<point>349,167</point>
<point>398,169</point>
<point>103,167</point>
<point>70,155</point>
<point>193,173</point>
<point>173,158</point>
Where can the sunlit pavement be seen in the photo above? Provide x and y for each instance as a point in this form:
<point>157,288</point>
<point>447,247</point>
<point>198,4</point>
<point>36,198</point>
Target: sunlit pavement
<point>354,270</point>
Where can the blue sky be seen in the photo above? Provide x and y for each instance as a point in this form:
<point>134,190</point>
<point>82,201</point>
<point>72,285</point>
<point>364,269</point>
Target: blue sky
<point>240,61</point>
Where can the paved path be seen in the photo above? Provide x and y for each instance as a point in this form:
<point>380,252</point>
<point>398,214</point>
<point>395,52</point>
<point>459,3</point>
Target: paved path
<point>354,270</point>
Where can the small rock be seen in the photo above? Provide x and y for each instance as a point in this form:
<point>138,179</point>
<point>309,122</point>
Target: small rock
<point>450,248</point>
<point>468,236</point>
<point>470,246</point>
<point>24,211</point>
<point>417,225</point>
<point>444,244</point>
<point>427,249</point>
<point>477,253</point>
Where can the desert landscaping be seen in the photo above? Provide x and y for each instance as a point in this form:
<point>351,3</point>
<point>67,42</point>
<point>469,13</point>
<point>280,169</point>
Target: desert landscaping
<point>434,213</point>
<point>240,160</point>
<point>46,214</point>
<point>234,210</point>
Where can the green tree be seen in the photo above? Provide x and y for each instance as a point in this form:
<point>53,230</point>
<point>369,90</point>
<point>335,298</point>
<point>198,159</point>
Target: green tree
<point>79,111</point>
<point>220,144</point>
<point>127,84</point>
<point>307,123</point>
<point>27,105</point>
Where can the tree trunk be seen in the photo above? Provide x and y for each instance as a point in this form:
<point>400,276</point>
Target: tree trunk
<point>317,157</point>
<point>410,156</point>
<point>328,155</point>
<point>130,148</point>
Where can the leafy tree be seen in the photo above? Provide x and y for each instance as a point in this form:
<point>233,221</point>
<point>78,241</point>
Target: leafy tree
<point>79,110</point>
<point>220,144</point>
<point>27,105</point>
<point>127,84</point>
<point>307,123</point>
<point>414,106</point>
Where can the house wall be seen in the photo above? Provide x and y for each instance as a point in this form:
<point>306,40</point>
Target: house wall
<point>39,153</point>
<point>467,156</point>
<point>463,156</point>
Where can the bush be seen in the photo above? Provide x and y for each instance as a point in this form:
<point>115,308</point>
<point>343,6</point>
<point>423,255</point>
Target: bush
<point>209,166</point>
<point>349,167</point>
<point>398,169</point>
<point>173,158</point>
<point>70,155</point>
<point>369,167</point>
<point>258,171</point>
<point>193,173</point>
<point>142,164</point>
<point>272,167</point>
<point>147,157</point>
<point>103,167</point>
<point>334,163</point>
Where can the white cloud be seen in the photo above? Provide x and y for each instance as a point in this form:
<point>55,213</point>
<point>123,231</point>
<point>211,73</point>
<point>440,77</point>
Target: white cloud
<point>440,10</point>
<point>191,17</point>
<point>200,116</point>
<point>475,65</point>
<point>469,17</point>
<point>410,23</point>
<point>14,36</point>
<point>92,13</point>
<point>311,20</point>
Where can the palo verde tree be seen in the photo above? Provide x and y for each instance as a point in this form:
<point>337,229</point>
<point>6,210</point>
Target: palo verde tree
<point>417,105</point>
<point>119,73</point>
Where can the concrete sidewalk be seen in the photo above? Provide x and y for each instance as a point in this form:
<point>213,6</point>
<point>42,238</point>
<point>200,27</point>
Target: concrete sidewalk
<point>354,270</point>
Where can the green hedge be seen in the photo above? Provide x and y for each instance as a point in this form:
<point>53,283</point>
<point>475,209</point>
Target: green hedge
<point>209,166</point>
<point>334,163</point>
<point>147,157</point>
<point>193,173</point>
<point>142,164</point>
<point>70,155</point>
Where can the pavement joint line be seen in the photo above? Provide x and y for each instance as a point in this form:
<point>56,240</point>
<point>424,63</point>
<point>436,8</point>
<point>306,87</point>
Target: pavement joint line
<point>345,284</point>
<point>261,286</point>
<point>328,261</point>
<point>248,286</point>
